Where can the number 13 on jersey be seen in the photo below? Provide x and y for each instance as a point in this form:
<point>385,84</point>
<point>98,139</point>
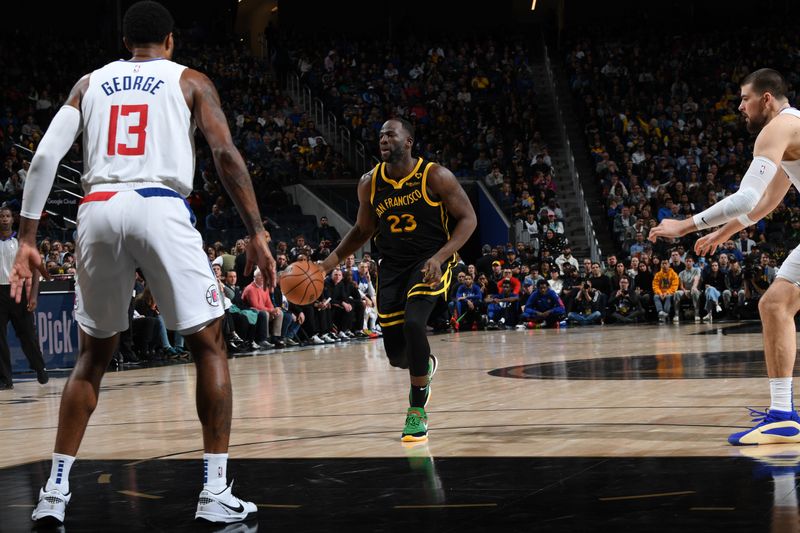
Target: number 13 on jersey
<point>137,113</point>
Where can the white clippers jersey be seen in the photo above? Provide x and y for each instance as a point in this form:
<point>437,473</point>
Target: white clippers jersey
<point>137,126</point>
<point>792,168</point>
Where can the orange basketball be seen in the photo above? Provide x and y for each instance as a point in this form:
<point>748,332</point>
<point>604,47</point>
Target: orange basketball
<point>302,282</point>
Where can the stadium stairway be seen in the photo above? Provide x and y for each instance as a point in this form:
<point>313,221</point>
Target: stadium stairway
<point>568,198</point>
<point>580,151</point>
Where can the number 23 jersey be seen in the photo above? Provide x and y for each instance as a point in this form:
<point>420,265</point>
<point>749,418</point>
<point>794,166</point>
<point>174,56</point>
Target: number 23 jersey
<point>137,126</point>
<point>411,225</point>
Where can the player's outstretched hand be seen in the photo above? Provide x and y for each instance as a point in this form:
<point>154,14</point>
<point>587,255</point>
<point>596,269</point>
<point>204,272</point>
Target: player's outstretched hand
<point>668,229</point>
<point>708,244</point>
<point>25,264</point>
<point>432,272</point>
<point>258,255</point>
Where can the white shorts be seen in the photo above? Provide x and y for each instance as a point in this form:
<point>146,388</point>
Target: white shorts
<point>150,228</point>
<point>790,269</point>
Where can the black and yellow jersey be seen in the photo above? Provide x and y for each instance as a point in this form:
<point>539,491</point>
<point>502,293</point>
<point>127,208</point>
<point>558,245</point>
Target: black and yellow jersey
<point>411,226</point>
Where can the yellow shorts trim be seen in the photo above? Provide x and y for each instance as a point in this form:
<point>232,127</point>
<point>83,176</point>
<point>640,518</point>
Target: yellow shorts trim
<point>390,315</point>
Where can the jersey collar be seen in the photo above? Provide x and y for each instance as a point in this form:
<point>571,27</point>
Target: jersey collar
<point>399,184</point>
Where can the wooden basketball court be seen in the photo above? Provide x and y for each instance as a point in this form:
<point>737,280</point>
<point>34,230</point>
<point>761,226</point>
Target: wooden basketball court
<point>551,430</point>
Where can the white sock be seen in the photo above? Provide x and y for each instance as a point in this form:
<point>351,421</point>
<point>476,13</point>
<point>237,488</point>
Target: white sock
<point>780,390</point>
<point>785,492</point>
<point>215,466</point>
<point>59,473</point>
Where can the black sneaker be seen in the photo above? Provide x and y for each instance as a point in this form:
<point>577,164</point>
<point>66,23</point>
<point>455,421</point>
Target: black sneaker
<point>278,343</point>
<point>6,386</point>
<point>41,376</point>
<point>234,348</point>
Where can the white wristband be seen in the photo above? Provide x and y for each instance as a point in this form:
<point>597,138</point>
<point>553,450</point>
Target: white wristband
<point>745,220</point>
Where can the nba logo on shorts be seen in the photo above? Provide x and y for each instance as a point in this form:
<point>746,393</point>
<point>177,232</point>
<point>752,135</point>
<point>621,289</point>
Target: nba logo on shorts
<point>212,296</point>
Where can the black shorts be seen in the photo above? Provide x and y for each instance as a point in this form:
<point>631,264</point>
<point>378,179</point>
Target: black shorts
<point>398,284</point>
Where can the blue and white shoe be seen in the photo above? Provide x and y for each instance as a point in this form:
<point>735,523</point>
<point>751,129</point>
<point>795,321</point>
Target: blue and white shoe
<point>774,427</point>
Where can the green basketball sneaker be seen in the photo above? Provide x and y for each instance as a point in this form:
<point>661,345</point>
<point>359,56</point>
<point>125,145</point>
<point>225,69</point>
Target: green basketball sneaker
<point>416,429</point>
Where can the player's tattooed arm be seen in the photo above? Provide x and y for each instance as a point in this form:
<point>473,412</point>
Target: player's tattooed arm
<point>203,100</point>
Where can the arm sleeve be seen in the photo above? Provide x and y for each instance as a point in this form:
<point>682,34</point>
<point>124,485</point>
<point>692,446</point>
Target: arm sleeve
<point>754,183</point>
<point>63,130</point>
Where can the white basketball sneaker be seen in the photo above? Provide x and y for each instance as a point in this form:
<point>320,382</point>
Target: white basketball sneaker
<point>52,505</point>
<point>224,507</point>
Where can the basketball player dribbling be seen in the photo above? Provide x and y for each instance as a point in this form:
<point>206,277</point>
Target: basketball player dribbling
<point>775,167</point>
<point>137,118</point>
<point>406,202</point>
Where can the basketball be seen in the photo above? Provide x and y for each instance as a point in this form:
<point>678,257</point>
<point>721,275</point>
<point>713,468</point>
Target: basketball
<point>302,282</point>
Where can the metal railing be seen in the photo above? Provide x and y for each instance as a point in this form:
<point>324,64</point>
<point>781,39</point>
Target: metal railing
<point>586,218</point>
<point>339,136</point>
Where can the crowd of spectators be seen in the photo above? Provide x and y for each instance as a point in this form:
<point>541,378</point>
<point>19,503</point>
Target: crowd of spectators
<point>471,99</point>
<point>666,138</point>
<point>501,291</point>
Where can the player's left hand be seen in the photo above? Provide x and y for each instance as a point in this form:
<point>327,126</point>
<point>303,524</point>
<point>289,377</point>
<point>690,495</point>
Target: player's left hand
<point>25,264</point>
<point>259,255</point>
<point>668,229</point>
<point>708,244</point>
<point>432,272</point>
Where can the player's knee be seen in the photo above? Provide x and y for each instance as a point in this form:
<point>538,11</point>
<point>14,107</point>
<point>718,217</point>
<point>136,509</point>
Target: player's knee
<point>777,302</point>
<point>768,307</point>
<point>413,326</point>
<point>395,349</point>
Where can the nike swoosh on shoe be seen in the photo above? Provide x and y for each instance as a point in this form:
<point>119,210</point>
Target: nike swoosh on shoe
<point>234,509</point>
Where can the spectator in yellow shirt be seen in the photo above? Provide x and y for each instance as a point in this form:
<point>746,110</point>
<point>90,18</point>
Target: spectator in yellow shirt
<point>665,284</point>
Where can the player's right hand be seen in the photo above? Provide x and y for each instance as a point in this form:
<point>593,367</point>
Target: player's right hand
<point>708,244</point>
<point>259,255</point>
<point>668,228</point>
<point>25,264</point>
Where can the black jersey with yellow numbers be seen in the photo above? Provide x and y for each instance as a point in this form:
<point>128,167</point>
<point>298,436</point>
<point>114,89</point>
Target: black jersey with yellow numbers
<point>411,226</point>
